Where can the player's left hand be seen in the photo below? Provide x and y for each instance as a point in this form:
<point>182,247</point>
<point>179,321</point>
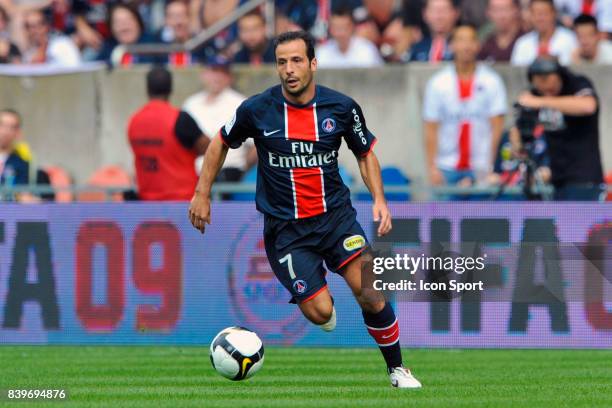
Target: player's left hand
<point>381,214</point>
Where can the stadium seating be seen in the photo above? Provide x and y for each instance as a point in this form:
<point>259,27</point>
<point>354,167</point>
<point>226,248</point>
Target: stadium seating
<point>107,176</point>
<point>346,176</point>
<point>391,176</point>
<point>250,177</point>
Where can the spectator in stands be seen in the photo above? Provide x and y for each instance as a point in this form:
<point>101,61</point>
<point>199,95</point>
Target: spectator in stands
<point>464,110</point>
<point>91,25</point>
<point>43,47</point>
<point>568,108</point>
<point>14,170</point>
<point>151,12</point>
<point>304,15</point>
<point>345,49</point>
<point>414,25</point>
<point>256,47</point>
<point>382,25</point>
<point>210,12</point>
<point>16,167</point>
<point>546,38</point>
<point>177,30</point>
<point>473,12</point>
<point>213,107</point>
<point>176,22</point>
<point>526,22</point>
<point>9,53</point>
<point>600,9</point>
<point>127,28</point>
<point>165,143</point>
<point>441,17</point>
<point>591,47</point>
<point>282,24</point>
<point>505,16</point>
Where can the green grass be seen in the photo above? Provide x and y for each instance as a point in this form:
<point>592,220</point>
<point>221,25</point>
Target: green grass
<point>301,377</point>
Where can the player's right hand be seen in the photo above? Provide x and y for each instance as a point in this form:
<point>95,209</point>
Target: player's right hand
<point>199,211</point>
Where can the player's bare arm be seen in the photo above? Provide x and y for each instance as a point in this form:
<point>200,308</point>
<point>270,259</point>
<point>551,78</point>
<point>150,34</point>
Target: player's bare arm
<point>431,150</point>
<point>369,168</point>
<point>577,105</point>
<point>199,209</point>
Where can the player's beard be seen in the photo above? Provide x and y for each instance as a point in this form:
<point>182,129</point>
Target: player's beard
<point>299,91</point>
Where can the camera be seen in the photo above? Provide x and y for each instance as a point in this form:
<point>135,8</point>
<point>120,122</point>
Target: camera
<point>526,120</point>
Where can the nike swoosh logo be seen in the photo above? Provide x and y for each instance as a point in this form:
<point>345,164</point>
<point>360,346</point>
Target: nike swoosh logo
<point>271,133</point>
<point>390,335</point>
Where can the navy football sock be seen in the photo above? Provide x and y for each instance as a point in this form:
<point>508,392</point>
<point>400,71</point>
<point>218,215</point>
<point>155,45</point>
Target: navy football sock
<point>383,327</point>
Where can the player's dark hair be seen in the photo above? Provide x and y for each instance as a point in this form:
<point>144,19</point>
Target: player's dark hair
<point>159,82</point>
<point>585,19</point>
<point>294,36</point>
<point>551,3</point>
<point>13,112</point>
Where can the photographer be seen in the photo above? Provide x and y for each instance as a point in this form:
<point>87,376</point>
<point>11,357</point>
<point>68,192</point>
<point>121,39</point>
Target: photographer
<point>566,109</point>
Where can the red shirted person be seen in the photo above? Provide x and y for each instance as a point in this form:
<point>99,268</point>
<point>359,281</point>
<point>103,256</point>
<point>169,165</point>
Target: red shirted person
<point>165,142</point>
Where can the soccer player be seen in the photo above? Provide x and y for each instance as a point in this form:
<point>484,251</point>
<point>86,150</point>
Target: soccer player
<point>297,128</point>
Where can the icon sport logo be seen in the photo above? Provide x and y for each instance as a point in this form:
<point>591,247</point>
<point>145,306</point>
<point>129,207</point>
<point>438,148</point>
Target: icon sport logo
<point>328,125</point>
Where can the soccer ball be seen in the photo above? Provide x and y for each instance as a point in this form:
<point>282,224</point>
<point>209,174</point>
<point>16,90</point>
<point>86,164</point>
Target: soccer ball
<point>237,353</point>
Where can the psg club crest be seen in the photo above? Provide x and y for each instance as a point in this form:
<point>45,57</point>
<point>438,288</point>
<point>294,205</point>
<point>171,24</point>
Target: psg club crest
<point>258,299</point>
<point>300,286</point>
<point>328,125</point>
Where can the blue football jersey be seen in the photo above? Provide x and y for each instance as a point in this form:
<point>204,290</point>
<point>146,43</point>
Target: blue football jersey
<point>297,148</point>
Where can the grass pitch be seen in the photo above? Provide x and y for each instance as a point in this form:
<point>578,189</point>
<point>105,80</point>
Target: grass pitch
<point>307,377</point>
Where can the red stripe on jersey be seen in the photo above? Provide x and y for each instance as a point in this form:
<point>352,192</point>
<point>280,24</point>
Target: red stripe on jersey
<point>127,60</point>
<point>308,191</point>
<point>544,49</point>
<point>371,148</point>
<point>314,295</point>
<point>463,163</point>
<point>301,123</point>
<point>180,59</point>
<point>307,183</point>
<point>349,259</point>
<point>588,7</point>
<point>385,336</point>
<point>465,134</point>
<point>324,10</point>
<point>222,139</point>
<point>436,53</point>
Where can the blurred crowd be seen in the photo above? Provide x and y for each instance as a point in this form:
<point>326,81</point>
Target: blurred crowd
<point>464,106</point>
<point>351,33</point>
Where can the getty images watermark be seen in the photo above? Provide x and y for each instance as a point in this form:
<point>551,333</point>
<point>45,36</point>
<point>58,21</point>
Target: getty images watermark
<point>407,264</point>
<point>524,272</point>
